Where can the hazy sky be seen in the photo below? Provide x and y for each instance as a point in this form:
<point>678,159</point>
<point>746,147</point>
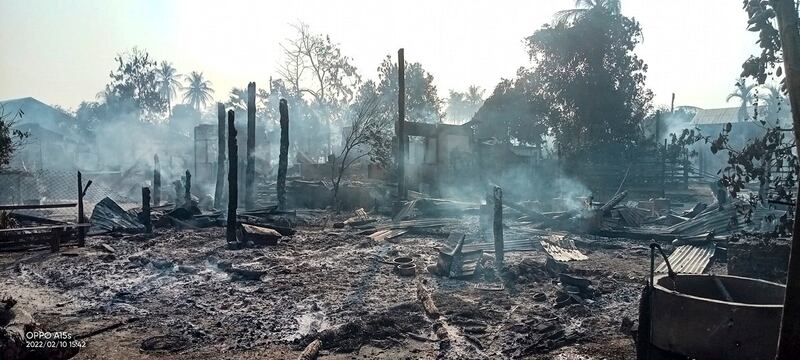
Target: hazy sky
<point>61,51</point>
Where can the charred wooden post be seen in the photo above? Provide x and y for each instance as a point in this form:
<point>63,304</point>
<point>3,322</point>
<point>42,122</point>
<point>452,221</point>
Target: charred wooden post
<point>177,185</point>
<point>218,189</point>
<point>233,168</point>
<point>283,159</point>
<point>81,192</point>
<point>55,241</point>
<point>187,195</point>
<point>498,227</point>
<point>148,227</point>
<point>401,119</point>
<point>664,171</point>
<point>250,169</point>
<point>156,181</point>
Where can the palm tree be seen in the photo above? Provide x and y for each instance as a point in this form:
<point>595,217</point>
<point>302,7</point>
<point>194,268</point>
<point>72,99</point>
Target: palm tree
<point>777,104</point>
<point>238,98</point>
<point>474,95</point>
<point>167,83</point>
<point>746,95</point>
<point>198,91</point>
<point>584,7</point>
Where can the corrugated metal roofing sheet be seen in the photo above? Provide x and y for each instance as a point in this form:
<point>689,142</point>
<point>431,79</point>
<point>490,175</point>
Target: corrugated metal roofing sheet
<point>689,259</point>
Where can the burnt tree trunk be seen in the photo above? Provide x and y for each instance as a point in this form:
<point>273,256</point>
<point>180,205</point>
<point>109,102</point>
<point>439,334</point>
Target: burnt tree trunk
<point>233,191</point>
<point>219,187</point>
<point>250,169</point>
<point>283,159</point>
<point>789,337</point>
<point>148,227</point>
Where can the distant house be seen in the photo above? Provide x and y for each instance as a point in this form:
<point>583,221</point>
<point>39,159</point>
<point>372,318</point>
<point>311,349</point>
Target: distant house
<point>52,140</point>
<point>712,121</point>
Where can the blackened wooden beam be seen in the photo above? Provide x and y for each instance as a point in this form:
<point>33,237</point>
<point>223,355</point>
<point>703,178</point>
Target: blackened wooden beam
<point>219,189</point>
<point>233,168</point>
<point>250,168</point>
<point>283,159</point>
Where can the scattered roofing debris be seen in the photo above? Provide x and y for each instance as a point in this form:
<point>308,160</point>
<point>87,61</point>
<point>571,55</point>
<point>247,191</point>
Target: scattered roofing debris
<point>562,248</point>
<point>689,259</point>
<point>108,216</point>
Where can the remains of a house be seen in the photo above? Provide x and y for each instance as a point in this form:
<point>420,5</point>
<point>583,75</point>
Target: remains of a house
<point>561,217</point>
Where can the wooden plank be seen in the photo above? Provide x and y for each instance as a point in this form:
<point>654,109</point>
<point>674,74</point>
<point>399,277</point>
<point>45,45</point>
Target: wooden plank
<point>49,227</point>
<point>37,206</point>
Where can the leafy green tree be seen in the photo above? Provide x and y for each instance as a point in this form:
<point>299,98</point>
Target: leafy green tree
<point>198,91</point>
<point>514,113</point>
<point>422,101</point>
<point>585,7</point>
<point>168,83</point>
<point>593,82</point>
<point>134,86</point>
<point>10,139</point>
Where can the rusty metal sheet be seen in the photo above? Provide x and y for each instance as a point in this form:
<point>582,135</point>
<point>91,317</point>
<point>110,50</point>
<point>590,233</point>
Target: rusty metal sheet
<point>689,259</point>
<point>562,248</point>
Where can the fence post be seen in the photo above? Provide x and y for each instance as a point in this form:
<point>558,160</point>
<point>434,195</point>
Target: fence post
<point>81,191</point>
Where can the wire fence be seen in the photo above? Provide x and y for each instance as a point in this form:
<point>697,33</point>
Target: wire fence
<point>19,187</point>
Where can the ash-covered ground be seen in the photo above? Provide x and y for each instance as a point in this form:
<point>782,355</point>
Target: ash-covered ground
<point>184,294</point>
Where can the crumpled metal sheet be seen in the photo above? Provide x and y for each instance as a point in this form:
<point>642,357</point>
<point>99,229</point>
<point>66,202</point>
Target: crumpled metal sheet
<point>689,259</point>
<point>562,248</point>
<point>107,215</point>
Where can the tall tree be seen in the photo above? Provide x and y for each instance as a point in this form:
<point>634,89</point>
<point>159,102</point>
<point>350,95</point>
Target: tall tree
<point>422,100</point>
<point>514,112</point>
<point>747,96</point>
<point>198,91</point>
<point>168,83</point>
<point>314,65</point>
<point>134,86</point>
<point>584,7</point>
<point>593,82</point>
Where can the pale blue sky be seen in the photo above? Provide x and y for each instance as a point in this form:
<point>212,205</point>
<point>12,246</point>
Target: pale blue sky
<point>62,51</point>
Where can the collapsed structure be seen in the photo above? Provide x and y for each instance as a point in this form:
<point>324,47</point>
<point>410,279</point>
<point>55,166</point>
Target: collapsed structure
<point>449,254</point>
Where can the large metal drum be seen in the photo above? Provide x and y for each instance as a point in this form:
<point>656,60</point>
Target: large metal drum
<point>716,317</point>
